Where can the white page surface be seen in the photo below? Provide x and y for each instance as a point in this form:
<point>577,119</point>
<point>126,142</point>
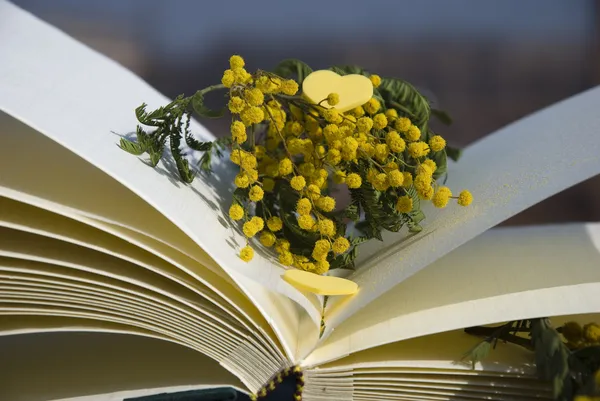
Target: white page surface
<point>65,366</point>
<point>505,274</point>
<point>64,97</point>
<point>507,172</point>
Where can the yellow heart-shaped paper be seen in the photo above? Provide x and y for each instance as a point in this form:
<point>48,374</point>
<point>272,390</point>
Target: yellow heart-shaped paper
<point>354,89</point>
<point>321,285</point>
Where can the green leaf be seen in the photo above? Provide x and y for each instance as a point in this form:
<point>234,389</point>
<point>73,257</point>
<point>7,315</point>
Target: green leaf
<point>198,145</point>
<point>407,99</point>
<point>442,116</point>
<point>293,67</point>
<point>154,158</point>
<point>131,147</point>
<point>182,164</point>
<point>352,211</point>
<point>348,69</point>
<point>201,109</point>
<point>417,216</point>
<point>441,162</point>
<point>453,153</point>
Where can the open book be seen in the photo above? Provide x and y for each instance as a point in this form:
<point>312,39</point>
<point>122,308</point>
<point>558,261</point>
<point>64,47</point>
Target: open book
<point>117,280</point>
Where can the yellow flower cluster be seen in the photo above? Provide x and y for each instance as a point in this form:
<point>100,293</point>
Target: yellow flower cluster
<point>282,142</point>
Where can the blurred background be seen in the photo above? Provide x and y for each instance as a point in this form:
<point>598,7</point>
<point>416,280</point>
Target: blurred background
<point>487,63</point>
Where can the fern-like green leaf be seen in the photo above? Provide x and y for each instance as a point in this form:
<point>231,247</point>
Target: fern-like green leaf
<point>293,68</point>
<point>131,147</point>
<point>405,97</point>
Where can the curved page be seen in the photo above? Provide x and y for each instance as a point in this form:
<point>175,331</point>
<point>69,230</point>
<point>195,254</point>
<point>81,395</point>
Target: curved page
<point>64,97</point>
<point>53,366</point>
<point>505,274</point>
<point>24,216</point>
<point>507,172</point>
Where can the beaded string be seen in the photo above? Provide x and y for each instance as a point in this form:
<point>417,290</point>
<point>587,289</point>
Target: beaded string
<point>277,379</point>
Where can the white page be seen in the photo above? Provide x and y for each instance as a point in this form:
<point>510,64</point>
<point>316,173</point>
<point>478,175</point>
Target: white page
<point>17,244</point>
<point>507,172</point>
<point>66,366</point>
<point>22,217</point>
<point>505,274</point>
<point>191,329</point>
<point>73,86</point>
<point>117,311</point>
<point>81,188</point>
<point>183,262</point>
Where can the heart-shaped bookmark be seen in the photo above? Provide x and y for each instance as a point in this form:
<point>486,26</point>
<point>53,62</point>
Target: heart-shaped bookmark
<point>321,285</point>
<point>354,90</point>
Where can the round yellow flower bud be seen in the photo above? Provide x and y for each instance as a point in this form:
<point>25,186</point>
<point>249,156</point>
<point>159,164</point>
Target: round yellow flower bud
<point>395,178</point>
<point>313,192</point>
<point>325,203</point>
<point>249,229</point>
<point>321,267</point>
<point>228,78</point>
<point>380,121</point>
<point>274,223</point>
<point>238,132</point>
<point>303,207</point>
<point>418,149</point>
<point>333,99</point>
<point>437,143</point>
<point>254,97</point>
<point>306,221</point>
<point>246,253</point>
<point>395,142</point>
<point>236,212</point>
<point>372,106</point>
<point>289,87</point>
<point>236,62</point>
<point>282,245</point>
<point>298,183</point>
<point>241,181</point>
<point>267,239</point>
<point>402,124</point>
<point>286,258</point>
<point>340,245</point>
<point>404,204</point>
<point>375,80</point>
<point>285,166</point>
<point>326,227</point>
<point>413,134</point>
<point>441,197</point>
<point>256,193</point>
<point>353,180</point>
<point>465,198</point>
<point>236,104</point>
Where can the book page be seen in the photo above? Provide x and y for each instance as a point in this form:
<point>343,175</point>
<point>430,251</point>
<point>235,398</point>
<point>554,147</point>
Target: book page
<point>55,290</point>
<point>507,172</point>
<point>66,366</point>
<point>22,217</point>
<point>78,98</point>
<point>505,274</point>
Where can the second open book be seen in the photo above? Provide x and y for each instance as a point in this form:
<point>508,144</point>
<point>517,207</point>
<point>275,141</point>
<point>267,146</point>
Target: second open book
<point>107,253</point>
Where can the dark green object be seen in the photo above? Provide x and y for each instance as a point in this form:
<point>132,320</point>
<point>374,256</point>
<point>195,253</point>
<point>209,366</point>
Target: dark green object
<point>213,394</point>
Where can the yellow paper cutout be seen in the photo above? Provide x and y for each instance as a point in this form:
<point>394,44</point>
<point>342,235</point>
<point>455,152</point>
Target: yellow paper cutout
<point>354,89</point>
<point>321,285</point>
